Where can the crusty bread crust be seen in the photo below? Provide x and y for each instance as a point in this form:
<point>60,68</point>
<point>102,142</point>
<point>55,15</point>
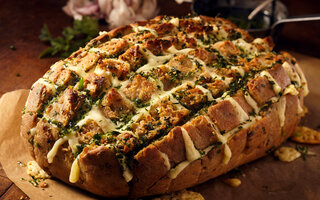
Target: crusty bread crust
<point>235,128</point>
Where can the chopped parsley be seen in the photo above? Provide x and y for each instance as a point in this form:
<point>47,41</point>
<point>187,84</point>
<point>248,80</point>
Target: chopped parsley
<point>303,150</point>
<point>73,38</point>
<point>80,86</point>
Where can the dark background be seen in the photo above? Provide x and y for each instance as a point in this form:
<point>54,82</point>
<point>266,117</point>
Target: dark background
<point>21,21</point>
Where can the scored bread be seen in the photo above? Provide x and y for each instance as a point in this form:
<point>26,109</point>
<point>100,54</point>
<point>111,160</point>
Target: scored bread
<point>161,105</point>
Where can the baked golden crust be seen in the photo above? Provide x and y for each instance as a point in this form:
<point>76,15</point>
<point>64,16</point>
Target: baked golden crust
<point>161,105</point>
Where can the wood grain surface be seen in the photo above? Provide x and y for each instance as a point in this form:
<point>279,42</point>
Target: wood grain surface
<point>20,24</point>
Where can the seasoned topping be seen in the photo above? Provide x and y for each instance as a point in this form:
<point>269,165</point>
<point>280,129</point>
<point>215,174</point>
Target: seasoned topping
<point>157,46</point>
<point>227,49</point>
<point>183,64</point>
<point>114,47</point>
<point>94,83</point>
<point>166,110</point>
<point>164,78</point>
<point>139,37</point>
<point>39,94</point>
<point>139,90</point>
<point>60,75</point>
<point>134,57</point>
<point>117,68</point>
<point>65,107</point>
<point>181,41</point>
<point>207,57</point>
<point>190,96</point>
<point>88,131</point>
<point>115,107</point>
<point>85,60</point>
<point>164,28</point>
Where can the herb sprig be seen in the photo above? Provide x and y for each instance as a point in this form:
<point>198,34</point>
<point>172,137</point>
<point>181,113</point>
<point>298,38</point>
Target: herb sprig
<point>73,38</point>
<point>303,150</point>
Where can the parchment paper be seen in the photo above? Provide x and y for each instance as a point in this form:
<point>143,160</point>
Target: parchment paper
<point>265,178</point>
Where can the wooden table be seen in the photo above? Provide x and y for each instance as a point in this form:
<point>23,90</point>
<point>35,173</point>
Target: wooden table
<point>20,24</point>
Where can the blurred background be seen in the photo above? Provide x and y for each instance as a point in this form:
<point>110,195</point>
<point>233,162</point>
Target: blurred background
<point>22,21</point>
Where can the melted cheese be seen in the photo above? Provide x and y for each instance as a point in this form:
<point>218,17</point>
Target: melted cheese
<point>138,29</point>
<point>239,69</point>
<point>287,154</point>
<point>206,92</point>
<point>173,50</point>
<point>303,80</point>
<point>208,149</point>
<point>33,131</point>
<point>96,115</point>
<point>102,71</point>
<point>140,114</point>
<point>35,170</point>
<point>227,154</point>
<point>223,139</point>
<point>242,115</point>
<point>52,153</point>
<point>78,70</point>
<point>127,174</point>
<point>157,97</point>
<point>251,102</point>
<point>261,42</point>
<point>282,110</point>
<point>191,152</point>
<point>197,18</point>
<point>252,121</point>
<point>103,32</point>
<point>175,21</point>
<point>290,90</point>
<point>222,34</point>
<point>227,80</point>
<point>220,137</point>
<point>98,51</point>
<point>212,74</point>
<point>300,109</point>
<point>153,61</point>
<point>73,143</point>
<point>233,182</point>
<point>72,140</point>
<point>156,82</point>
<point>292,75</point>
<point>258,41</point>
<point>165,160</point>
<point>246,47</point>
<point>75,171</point>
<point>276,88</point>
<point>173,173</point>
<point>49,85</point>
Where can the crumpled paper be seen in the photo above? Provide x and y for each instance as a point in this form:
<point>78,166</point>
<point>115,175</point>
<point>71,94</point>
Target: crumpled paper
<point>265,178</point>
<point>12,151</point>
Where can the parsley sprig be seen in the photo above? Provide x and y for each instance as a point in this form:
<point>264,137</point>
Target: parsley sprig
<point>72,38</point>
<point>303,150</point>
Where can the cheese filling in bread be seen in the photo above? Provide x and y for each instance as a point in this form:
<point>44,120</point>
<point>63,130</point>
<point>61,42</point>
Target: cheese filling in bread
<point>161,105</point>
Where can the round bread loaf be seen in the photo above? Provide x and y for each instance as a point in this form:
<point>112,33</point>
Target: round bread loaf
<point>161,105</point>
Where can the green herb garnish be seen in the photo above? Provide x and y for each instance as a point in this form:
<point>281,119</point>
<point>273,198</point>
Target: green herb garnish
<point>303,150</point>
<point>80,86</point>
<point>73,38</point>
<point>96,138</point>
